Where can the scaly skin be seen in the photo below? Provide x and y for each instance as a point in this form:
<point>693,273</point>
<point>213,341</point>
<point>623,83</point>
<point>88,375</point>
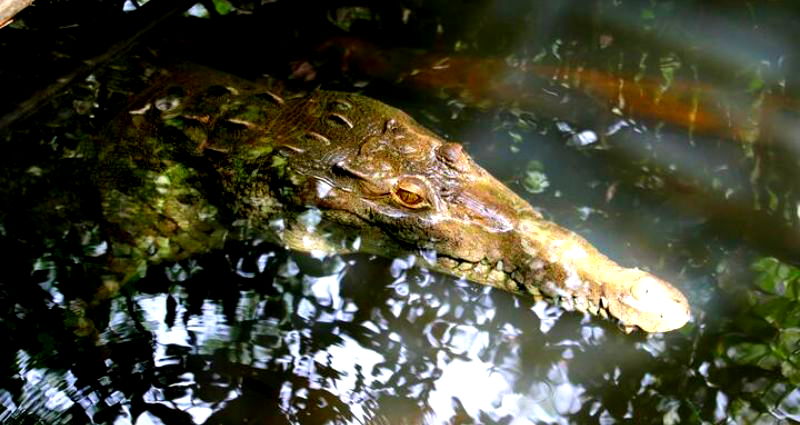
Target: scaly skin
<point>381,183</point>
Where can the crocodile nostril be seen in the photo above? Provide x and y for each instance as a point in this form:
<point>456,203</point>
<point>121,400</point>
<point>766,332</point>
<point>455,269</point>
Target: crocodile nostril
<point>453,155</point>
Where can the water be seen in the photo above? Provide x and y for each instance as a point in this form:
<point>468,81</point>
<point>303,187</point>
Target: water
<point>582,110</point>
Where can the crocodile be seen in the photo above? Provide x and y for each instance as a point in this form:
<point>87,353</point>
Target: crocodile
<point>205,155</point>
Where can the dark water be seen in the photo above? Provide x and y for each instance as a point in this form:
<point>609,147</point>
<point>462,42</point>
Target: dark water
<point>579,106</point>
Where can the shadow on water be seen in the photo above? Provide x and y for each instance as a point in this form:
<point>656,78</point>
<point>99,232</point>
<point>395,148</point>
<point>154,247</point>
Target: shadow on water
<point>663,133</point>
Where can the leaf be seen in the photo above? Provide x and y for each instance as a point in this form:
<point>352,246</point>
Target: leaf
<point>784,270</point>
<point>778,278</point>
<point>774,310</point>
<point>767,279</point>
<point>756,83</point>
<point>535,180</point>
<point>768,282</point>
<point>748,353</point>
<point>793,285</point>
<point>223,7</point>
<point>774,277</point>
<point>789,344</point>
<point>765,264</point>
<point>792,317</point>
<point>791,371</point>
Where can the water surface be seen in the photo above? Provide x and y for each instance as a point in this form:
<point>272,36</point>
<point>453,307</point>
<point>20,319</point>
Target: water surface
<point>663,132</point>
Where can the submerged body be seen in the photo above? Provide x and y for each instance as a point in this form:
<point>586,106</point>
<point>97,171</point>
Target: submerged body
<point>209,150</point>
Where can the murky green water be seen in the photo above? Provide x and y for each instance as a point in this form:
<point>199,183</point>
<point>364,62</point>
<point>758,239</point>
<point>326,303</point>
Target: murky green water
<point>663,132</point>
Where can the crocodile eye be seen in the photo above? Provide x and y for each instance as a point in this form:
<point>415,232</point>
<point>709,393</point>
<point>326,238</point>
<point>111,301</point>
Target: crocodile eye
<point>411,192</point>
<point>408,198</point>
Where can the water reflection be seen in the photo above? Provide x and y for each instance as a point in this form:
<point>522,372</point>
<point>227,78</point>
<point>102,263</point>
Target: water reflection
<point>253,333</point>
<point>262,339</point>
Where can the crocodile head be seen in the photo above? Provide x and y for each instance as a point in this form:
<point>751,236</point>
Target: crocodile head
<point>372,166</point>
<point>370,169</point>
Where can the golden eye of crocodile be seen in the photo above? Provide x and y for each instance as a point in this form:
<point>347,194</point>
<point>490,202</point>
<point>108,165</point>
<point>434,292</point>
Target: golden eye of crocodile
<point>411,192</point>
<point>340,119</point>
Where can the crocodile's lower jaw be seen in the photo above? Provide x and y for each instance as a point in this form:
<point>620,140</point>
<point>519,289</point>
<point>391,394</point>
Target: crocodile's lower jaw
<point>332,241</point>
<point>589,283</point>
<point>494,275</point>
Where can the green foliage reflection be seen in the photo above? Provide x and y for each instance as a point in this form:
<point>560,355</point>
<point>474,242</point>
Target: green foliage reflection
<point>775,312</point>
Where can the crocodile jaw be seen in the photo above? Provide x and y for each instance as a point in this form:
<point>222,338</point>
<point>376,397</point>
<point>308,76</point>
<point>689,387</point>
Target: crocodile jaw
<point>568,271</point>
<point>512,247</point>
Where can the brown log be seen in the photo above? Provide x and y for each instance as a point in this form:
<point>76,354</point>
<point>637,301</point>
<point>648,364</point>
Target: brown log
<point>9,8</point>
